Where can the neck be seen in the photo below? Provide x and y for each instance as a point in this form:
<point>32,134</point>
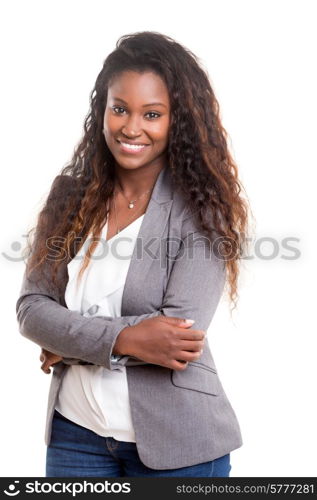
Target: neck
<point>135,181</point>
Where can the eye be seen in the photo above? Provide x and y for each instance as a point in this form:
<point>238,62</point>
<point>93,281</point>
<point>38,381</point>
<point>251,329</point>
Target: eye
<point>116,107</point>
<point>157,115</point>
<point>153,113</point>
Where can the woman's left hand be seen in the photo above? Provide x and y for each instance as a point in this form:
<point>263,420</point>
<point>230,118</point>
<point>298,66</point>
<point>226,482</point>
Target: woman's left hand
<point>48,359</point>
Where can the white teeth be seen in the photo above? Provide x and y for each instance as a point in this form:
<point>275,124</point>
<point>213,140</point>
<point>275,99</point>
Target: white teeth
<point>132,146</point>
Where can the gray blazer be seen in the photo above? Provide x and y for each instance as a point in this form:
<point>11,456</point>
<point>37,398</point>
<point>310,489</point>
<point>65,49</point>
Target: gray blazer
<point>180,418</point>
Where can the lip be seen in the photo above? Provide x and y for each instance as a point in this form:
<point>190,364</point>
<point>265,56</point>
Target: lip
<point>128,150</point>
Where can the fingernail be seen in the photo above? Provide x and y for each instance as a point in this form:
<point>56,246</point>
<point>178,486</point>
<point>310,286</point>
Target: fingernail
<point>189,321</point>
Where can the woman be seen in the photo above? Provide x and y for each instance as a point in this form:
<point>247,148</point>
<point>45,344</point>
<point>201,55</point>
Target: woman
<point>135,390</point>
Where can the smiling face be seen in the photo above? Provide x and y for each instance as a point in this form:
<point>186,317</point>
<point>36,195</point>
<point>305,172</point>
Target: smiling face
<point>137,119</point>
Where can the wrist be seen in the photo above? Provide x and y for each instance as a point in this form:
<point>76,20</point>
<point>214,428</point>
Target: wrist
<point>123,344</point>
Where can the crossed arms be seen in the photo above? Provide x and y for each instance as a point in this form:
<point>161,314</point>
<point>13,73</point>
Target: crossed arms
<point>193,291</point>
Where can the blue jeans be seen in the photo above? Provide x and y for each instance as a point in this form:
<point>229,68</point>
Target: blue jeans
<point>77,451</point>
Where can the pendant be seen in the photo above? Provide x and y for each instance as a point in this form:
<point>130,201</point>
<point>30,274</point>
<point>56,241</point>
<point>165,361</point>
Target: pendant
<point>131,205</point>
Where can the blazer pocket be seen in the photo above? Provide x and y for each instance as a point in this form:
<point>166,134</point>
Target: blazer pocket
<point>197,377</point>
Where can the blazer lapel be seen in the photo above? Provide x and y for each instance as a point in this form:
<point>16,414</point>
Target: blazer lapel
<point>148,242</point>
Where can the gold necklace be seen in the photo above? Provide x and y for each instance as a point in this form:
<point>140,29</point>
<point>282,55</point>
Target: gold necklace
<point>131,202</point>
<point>115,212</point>
<point>130,205</point>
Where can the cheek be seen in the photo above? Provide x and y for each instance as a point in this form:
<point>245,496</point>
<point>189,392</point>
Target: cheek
<point>110,121</point>
<point>109,131</point>
<point>107,122</point>
<point>160,131</point>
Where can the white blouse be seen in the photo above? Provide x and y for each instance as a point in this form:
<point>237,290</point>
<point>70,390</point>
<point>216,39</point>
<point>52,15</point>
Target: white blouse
<point>90,395</point>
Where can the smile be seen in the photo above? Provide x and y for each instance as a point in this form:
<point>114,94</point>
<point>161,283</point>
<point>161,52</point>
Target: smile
<point>131,148</point>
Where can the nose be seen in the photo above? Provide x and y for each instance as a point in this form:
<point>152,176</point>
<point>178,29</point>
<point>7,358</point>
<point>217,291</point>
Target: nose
<point>131,127</point>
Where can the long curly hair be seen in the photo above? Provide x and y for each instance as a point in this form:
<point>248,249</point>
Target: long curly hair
<point>197,154</point>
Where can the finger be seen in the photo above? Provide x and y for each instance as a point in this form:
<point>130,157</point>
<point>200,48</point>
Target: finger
<point>191,334</point>
<point>191,345</point>
<point>188,356</point>
<point>179,364</point>
<point>45,368</point>
<point>184,322</point>
<point>57,358</point>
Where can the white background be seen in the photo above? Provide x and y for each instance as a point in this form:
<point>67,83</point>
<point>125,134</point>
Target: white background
<point>261,59</point>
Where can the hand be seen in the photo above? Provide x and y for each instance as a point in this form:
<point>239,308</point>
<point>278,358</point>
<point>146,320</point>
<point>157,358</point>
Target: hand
<point>163,340</point>
<point>48,359</point>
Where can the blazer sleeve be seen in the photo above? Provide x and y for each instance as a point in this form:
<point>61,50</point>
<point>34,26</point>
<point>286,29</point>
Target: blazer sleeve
<point>196,282</point>
<point>43,318</point>
<point>193,291</point>
<point>76,338</point>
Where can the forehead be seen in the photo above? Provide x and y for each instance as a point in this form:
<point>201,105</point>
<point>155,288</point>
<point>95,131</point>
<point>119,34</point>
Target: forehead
<point>138,87</point>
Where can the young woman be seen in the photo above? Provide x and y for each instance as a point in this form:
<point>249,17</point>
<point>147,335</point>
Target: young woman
<point>139,234</point>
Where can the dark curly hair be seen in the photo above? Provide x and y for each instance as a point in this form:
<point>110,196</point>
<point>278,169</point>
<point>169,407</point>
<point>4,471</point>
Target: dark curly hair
<point>197,154</point>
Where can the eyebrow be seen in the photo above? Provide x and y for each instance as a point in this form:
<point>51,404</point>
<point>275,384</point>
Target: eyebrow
<point>144,105</point>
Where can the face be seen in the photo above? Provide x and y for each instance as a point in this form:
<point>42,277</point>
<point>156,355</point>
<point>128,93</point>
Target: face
<point>137,119</point>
